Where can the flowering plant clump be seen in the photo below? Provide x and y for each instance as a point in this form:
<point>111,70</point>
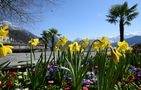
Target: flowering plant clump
<point>4,49</point>
<point>85,43</point>
<point>84,65</point>
<point>62,41</point>
<point>14,80</point>
<point>131,79</point>
<point>8,80</point>
<point>34,42</point>
<point>4,31</point>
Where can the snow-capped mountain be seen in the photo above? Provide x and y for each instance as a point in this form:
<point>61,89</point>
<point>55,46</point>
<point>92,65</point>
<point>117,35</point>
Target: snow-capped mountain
<point>11,26</point>
<point>17,33</point>
<point>126,36</point>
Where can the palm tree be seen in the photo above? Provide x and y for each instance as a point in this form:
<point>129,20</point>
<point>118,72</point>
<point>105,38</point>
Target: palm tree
<point>49,38</point>
<point>122,14</point>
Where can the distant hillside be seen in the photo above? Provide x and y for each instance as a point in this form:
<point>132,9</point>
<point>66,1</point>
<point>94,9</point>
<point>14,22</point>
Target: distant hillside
<point>21,35</point>
<point>126,35</point>
<point>131,41</point>
<point>137,46</point>
<point>134,40</point>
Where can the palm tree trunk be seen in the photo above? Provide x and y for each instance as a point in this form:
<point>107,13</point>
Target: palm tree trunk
<point>121,26</point>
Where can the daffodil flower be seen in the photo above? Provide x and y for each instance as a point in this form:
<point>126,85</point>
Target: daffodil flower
<point>96,46</point>
<point>5,49</point>
<point>105,43</point>
<point>4,31</point>
<point>129,49</point>
<point>102,44</point>
<point>34,42</point>
<point>85,43</point>
<point>74,47</point>
<point>62,41</point>
<point>123,46</point>
<point>82,50</point>
<point>116,55</point>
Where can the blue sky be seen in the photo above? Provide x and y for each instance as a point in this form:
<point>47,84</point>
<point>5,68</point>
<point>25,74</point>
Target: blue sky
<point>84,19</point>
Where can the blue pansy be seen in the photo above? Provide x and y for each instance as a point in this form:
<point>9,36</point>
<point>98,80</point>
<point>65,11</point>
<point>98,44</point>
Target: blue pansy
<point>53,68</point>
<point>138,73</point>
<point>132,69</point>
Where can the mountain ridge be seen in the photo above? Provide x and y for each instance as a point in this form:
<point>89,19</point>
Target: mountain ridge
<point>21,36</point>
<point>131,41</point>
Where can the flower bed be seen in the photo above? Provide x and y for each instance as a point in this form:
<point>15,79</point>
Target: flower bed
<point>75,67</point>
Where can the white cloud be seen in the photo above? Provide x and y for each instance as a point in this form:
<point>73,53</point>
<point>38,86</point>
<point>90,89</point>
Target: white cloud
<point>132,33</point>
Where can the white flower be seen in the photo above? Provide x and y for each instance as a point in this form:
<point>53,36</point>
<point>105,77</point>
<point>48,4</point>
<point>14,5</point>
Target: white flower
<point>25,73</point>
<point>19,66</point>
<point>20,77</point>
<point>20,72</point>
<point>26,89</point>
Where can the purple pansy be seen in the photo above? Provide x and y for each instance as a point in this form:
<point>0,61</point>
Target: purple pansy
<point>53,68</point>
<point>138,73</point>
<point>132,69</point>
<point>87,82</point>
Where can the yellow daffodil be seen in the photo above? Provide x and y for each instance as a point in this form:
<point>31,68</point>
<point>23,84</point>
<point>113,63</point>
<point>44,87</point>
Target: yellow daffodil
<point>74,47</point>
<point>123,46</point>
<point>62,41</point>
<point>82,50</point>
<point>129,49</point>
<point>5,49</point>
<point>96,46</point>
<point>4,31</point>
<point>105,43</point>
<point>85,43</point>
<point>34,42</point>
<point>116,55</point>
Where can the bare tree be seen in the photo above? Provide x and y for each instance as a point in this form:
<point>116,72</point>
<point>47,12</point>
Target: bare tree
<point>22,10</point>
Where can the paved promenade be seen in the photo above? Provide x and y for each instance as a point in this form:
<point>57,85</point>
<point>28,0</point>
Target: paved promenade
<point>16,57</point>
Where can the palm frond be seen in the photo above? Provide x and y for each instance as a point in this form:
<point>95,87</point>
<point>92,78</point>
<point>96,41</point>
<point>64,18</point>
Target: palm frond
<point>124,7</point>
<point>111,19</point>
<point>111,16</point>
<point>115,10</point>
<point>53,31</point>
<point>132,16</point>
<point>127,23</point>
<point>133,8</point>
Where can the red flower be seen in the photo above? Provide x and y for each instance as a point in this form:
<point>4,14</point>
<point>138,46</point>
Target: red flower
<point>12,74</point>
<point>67,88</point>
<point>1,85</point>
<point>85,88</point>
<point>10,84</point>
<point>50,81</point>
